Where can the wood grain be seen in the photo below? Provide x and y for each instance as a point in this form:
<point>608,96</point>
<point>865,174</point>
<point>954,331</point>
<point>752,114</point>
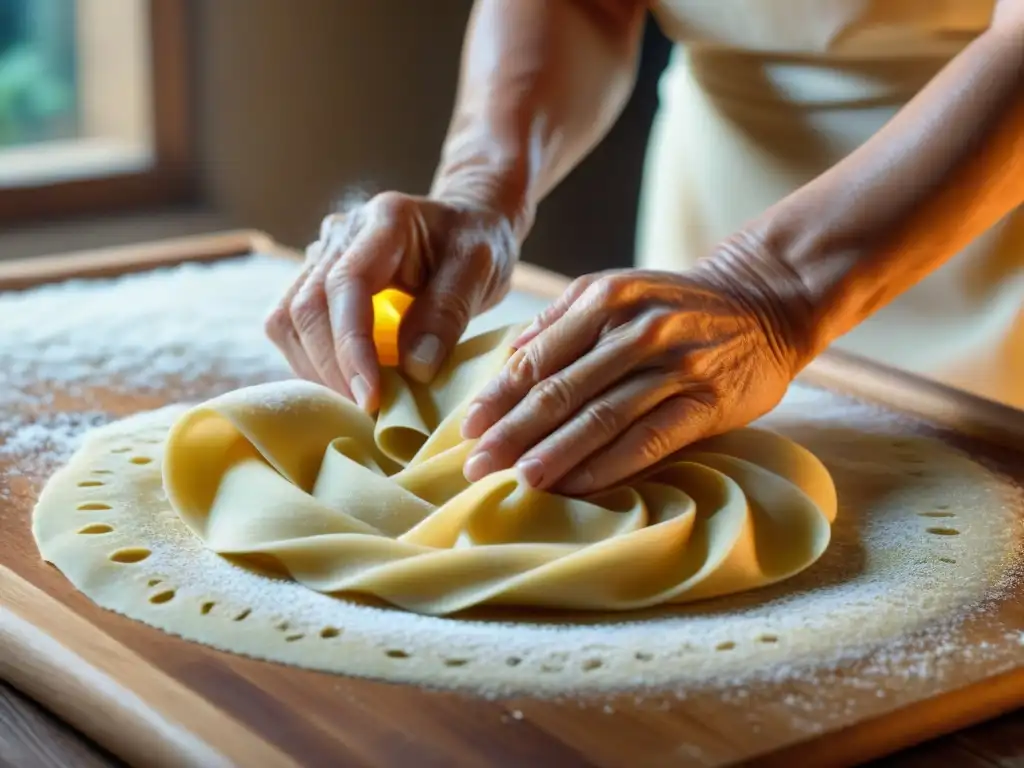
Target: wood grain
<point>104,687</point>
<point>31,736</point>
<point>121,260</point>
<point>132,687</point>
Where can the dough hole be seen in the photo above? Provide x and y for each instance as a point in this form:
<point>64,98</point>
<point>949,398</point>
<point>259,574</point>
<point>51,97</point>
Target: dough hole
<point>130,555</point>
<point>589,665</point>
<point>154,582</point>
<point>93,506</point>
<point>768,639</point>
<point>942,506</point>
<point>96,528</point>
<point>140,460</point>
<point>513,661</point>
<point>206,608</point>
<point>643,656</point>
<point>328,632</point>
<point>950,560</point>
<point>944,531</point>
<point>102,472</point>
<point>91,484</point>
<point>120,450</point>
<point>936,514</point>
<point>728,645</point>
<point>243,615</point>
<point>162,597</point>
<point>283,626</point>
<point>456,662</point>
<point>294,638</point>
<point>396,653</point>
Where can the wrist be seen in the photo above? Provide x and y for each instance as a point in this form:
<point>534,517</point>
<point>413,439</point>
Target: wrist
<point>487,179</point>
<point>770,290</point>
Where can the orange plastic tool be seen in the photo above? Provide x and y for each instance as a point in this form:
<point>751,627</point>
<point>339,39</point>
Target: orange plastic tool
<point>388,307</point>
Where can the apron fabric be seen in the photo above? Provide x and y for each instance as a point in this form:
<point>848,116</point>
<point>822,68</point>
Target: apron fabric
<point>761,96</point>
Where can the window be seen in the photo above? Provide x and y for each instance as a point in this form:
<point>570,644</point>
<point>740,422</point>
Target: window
<point>93,106</point>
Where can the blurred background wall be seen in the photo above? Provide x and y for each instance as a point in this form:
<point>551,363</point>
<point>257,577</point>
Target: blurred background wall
<point>296,101</point>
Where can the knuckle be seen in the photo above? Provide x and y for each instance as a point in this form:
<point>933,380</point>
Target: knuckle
<point>553,395</point>
<point>277,324</point>
<point>338,275</point>
<point>308,306</point>
<point>650,328</point>
<point>479,260</point>
<point>602,418</point>
<point>654,443</point>
<point>392,205</point>
<point>453,309</point>
<point>607,290</point>
<point>578,286</point>
<point>523,367</point>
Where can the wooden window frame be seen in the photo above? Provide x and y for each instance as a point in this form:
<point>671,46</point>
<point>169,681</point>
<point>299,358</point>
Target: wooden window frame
<point>170,176</point>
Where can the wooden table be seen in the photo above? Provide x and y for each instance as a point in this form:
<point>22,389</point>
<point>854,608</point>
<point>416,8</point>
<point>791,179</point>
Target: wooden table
<point>30,736</point>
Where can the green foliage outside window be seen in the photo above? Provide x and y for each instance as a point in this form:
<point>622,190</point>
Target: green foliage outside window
<point>38,94</point>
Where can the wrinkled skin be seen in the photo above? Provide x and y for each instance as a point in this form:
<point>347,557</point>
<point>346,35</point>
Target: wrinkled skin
<point>455,259</point>
<point>626,368</point>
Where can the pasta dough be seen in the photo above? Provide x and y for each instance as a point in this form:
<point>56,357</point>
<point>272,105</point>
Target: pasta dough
<point>296,473</point>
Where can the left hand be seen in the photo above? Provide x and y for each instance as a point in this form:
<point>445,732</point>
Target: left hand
<point>627,368</point>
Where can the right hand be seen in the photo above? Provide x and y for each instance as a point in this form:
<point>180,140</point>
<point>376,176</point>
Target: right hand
<point>455,260</point>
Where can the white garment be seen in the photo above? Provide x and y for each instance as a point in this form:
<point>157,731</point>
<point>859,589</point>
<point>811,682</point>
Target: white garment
<point>761,96</point>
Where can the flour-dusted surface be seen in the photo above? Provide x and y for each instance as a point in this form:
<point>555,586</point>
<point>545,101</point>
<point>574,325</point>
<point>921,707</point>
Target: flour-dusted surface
<point>925,540</point>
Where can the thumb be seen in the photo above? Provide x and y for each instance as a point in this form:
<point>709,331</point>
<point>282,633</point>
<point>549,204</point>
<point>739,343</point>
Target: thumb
<point>439,315</point>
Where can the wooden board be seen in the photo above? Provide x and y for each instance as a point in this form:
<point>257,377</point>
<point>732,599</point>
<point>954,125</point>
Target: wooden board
<point>153,699</point>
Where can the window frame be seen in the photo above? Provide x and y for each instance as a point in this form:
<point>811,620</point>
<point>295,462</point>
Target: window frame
<point>169,179</point>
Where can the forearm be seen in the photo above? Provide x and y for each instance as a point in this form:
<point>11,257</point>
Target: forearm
<point>542,82</point>
<point>944,170</point>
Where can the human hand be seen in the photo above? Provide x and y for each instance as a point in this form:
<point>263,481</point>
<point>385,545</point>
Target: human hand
<point>456,261</point>
<point>628,367</point>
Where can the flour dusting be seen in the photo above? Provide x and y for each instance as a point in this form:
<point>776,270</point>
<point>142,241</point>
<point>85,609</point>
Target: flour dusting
<point>887,602</point>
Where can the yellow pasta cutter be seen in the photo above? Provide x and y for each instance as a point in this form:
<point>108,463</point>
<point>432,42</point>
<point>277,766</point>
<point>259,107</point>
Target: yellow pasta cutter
<point>388,308</point>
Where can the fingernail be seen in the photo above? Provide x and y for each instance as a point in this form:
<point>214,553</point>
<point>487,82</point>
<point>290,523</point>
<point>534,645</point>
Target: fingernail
<point>360,390</point>
<point>425,358</point>
<point>531,471</point>
<point>578,484</point>
<point>470,427</point>
<point>477,467</point>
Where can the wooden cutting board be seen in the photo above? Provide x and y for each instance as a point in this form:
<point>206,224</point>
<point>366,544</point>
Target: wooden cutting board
<point>153,699</point>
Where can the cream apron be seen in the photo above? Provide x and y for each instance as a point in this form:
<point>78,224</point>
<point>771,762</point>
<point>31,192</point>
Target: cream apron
<point>761,96</point>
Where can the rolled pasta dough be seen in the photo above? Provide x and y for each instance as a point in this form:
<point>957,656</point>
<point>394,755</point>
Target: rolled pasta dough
<point>348,504</point>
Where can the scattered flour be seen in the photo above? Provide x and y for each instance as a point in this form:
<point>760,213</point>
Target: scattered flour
<point>77,355</point>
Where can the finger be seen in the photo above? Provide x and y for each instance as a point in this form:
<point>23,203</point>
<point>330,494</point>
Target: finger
<point>366,268</point>
<point>557,346</point>
<point>311,319</point>
<point>281,331</point>
<point>313,252</point>
<point>596,425</point>
<point>439,315</point>
<point>551,403</point>
<point>547,317</point>
<point>671,426</point>
<point>296,356</point>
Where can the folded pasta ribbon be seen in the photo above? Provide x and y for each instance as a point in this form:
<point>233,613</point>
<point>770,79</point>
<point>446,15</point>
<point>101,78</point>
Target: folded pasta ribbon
<point>349,504</point>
